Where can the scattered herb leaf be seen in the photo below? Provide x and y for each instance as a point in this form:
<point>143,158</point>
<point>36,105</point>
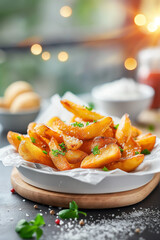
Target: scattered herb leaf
<point>29,229</point>
<point>121,149</point>
<point>145,152</point>
<point>56,152</point>
<point>88,108</point>
<point>63,146</point>
<point>72,212</point>
<point>91,104</point>
<point>76,124</point>
<point>33,139</point>
<point>136,152</point>
<point>105,169</point>
<point>87,123</point>
<point>116,126</point>
<point>94,121</point>
<point>95,150</point>
<point>44,152</point>
<point>151,128</point>
<point>19,138</point>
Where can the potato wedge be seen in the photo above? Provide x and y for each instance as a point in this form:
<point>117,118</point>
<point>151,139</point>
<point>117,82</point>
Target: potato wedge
<point>72,143</point>
<point>107,154</point>
<point>146,141</point>
<point>130,148</point>
<point>57,156</point>
<point>123,132</point>
<point>93,130</point>
<point>80,111</point>
<point>127,164</point>
<point>135,132</point>
<point>29,152</point>
<point>88,145</point>
<point>76,156</point>
<point>15,139</point>
<point>75,165</point>
<point>110,132</point>
<point>50,122</point>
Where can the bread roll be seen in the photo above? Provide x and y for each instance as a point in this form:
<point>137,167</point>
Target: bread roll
<point>25,101</point>
<point>16,89</point>
<point>3,103</point>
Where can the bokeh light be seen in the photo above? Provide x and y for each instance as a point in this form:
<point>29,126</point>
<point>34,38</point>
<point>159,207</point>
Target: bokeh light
<point>157,21</point>
<point>130,63</point>
<point>63,56</point>
<point>140,20</point>
<point>36,49</point>
<point>66,11</point>
<point>152,27</point>
<point>46,56</point>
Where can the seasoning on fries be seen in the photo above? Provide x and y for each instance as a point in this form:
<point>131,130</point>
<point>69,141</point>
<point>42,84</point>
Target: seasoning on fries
<point>90,140</point>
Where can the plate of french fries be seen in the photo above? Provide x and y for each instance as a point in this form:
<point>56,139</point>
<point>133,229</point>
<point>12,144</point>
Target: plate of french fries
<point>88,153</point>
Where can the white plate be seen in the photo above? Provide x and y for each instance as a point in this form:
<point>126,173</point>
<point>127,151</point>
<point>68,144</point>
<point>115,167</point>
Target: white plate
<point>66,184</point>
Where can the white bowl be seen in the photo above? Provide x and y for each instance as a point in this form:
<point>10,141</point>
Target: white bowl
<point>119,107</point>
<point>17,121</point>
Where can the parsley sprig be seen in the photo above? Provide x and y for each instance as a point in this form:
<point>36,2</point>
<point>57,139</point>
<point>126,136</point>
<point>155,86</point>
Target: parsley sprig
<point>77,124</point>
<point>33,139</point>
<point>121,149</point>
<point>57,152</point>
<point>19,138</point>
<point>95,150</point>
<point>63,146</point>
<point>29,229</point>
<point>89,108</point>
<point>116,126</point>
<point>145,152</point>
<point>136,152</point>
<point>72,212</point>
<point>105,169</point>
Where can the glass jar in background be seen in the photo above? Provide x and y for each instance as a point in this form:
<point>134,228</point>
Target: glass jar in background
<point>149,71</point>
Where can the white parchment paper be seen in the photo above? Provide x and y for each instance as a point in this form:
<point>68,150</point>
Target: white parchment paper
<point>10,157</point>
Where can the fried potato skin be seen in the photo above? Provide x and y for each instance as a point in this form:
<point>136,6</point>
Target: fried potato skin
<point>146,141</point>
<point>93,130</point>
<point>130,148</point>
<point>12,138</point>
<point>80,111</point>
<point>76,156</point>
<point>127,164</point>
<point>109,153</point>
<point>88,145</point>
<point>135,132</point>
<point>29,152</point>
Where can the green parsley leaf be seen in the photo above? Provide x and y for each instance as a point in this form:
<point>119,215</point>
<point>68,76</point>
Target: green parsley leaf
<point>145,152</point>
<point>121,149</point>
<point>136,152</point>
<point>91,104</point>
<point>29,229</point>
<point>116,126</point>
<point>19,138</point>
<point>76,124</point>
<point>33,139</point>
<point>88,108</point>
<point>151,128</point>
<point>44,152</point>
<point>87,123</point>
<point>63,146</point>
<point>95,150</point>
<point>105,169</point>
<point>94,121</point>
<point>72,212</point>
<point>56,152</point>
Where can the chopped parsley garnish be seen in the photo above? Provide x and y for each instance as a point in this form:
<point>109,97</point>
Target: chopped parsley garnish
<point>105,169</point>
<point>63,146</point>
<point>116,126</point>
<point>44,152</point>
<point>30,229</point>
<point>121,149</point>
<point>33,139</point>
<point>145,152</point>
<point>91,104</point>
<point>87,123</point>
<point>19,138</point>
<point>95,150</point>
<point>94,121</point>
<point>72,212</point>
<point>77,124</point>
<point>136,152</point>
<point>88,108</point>
<point>56,152</point>
<point>151,128</point>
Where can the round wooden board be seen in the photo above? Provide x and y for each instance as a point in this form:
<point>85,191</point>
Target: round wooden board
<point>90,201</point>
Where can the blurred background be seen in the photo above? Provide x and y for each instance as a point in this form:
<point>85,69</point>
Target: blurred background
<point>74,44</point>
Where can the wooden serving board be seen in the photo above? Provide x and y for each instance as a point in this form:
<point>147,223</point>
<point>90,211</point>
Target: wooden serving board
<point>90,201</point>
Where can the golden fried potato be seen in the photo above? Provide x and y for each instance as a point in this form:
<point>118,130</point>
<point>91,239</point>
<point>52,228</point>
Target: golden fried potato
<point>123,132</point>
<point>110,132</point>
<point>58,156</point>
<point>146,141</point>
<point>107,154</point>
<point>135,132</point>
<point>29,152</point>
<point>127,164</point>
<point>130,148</point>
<point>15,139</point>
<point>93,130</point>
<point>75,165</point>
<point>76,156</point>
<point>72,142</point>
<point>88,145</point>
<point>50,122</point>
<point>81,111</point>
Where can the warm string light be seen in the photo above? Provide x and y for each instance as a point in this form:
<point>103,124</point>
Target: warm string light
<point>66,11</point>
<point>63,56</point>
<point>46,56</point>
<point>140,20</point>
<point>36,49</point>
<point>130,63</point>
<point>151,26</point>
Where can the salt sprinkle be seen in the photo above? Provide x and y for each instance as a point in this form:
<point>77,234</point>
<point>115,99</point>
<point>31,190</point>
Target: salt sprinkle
<point>27,215</point>
<point>20,209</point>
<point>24,200</point>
